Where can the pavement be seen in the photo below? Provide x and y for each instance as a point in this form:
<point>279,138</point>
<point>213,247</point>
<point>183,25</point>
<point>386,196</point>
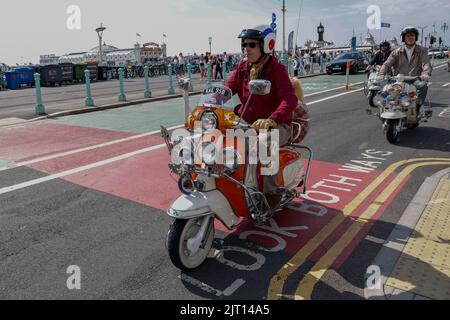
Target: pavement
<point>415,260</point>
<point>17,106</point>
<point>91,190</point>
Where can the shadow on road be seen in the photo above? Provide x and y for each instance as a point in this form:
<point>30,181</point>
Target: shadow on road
<point>254,265</point>
<point>419,138</point>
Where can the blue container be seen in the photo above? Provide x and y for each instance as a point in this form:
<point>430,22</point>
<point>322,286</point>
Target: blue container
<point>12,79</point>
<point>26,76</point>
<point>17,77</point>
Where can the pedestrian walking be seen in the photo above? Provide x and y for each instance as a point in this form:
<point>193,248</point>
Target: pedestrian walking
<point>219,68</point>
<point>202,68</point>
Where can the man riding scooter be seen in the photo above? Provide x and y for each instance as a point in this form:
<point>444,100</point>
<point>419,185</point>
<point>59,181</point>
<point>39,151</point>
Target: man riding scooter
<point>411,59</point>
<point>373,84</point>
<point>272,111</point>
<point>381,56</point>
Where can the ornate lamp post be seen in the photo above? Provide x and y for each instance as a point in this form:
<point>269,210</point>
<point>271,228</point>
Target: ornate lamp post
<point>100,37</point>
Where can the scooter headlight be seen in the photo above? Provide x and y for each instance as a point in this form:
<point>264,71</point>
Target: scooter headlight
<point>405,102</point>
<point>209,121</point>
<point>187,156</point>
<point>209,153</point>
<point>232,159</point>
<point>183,153</point>
<point>378,100</point>
<point>186,185</point>
<point>412,95</point>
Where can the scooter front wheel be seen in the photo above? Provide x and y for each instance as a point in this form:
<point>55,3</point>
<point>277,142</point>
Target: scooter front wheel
<point>392,132</point>
<point>372,95</point>
<point>180,232</point>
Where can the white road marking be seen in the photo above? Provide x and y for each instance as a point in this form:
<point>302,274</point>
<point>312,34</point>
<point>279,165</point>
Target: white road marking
<point>101,145</point>
<point>332,97</point>
<point>445,113</point>
<point>205,287</point>
<point>441,66</point>
<point>107,161</point>
<point>68,153</point>
<point>319,92</point>
<point>77,170</point>
<point>446,85</point>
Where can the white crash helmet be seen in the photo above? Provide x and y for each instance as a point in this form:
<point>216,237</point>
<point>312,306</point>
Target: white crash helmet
<point>264,33</point>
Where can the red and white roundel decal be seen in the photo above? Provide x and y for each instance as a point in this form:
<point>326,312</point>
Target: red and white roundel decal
<point>271,44</point>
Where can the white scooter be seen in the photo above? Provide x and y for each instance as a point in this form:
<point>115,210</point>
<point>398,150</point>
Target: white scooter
<point>373,85</point>
<point>398,106</point>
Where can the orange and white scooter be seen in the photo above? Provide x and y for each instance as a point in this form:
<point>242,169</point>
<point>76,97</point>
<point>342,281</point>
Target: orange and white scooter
<point>218,175</point>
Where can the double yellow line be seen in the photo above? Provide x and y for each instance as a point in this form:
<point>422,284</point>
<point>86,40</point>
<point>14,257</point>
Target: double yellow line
<point>306,286</point>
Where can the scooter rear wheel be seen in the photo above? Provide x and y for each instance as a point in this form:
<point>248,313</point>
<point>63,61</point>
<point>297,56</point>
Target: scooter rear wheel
<point>179,233</point>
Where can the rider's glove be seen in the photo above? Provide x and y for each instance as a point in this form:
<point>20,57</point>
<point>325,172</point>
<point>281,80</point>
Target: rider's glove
<point>266,124</point>
<point>425,78</point>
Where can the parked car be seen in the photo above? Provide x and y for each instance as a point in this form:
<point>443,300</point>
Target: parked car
<point>358,61</point>
<point>438,53</point>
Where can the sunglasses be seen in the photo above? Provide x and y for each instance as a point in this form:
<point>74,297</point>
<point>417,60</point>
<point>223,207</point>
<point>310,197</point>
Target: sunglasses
<point>249,44</point>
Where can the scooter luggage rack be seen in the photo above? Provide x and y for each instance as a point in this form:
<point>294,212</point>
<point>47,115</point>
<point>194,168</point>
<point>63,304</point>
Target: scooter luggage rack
<point>311,154</point>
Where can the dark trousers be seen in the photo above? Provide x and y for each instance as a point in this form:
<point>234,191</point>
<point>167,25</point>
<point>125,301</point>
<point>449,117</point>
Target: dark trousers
<point>218,71</point>
<point>422,92</point>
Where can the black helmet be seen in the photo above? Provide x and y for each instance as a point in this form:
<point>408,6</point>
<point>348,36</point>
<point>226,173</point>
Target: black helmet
<point>410,29</point>
<point>385,43</point>
<point>251,34</point>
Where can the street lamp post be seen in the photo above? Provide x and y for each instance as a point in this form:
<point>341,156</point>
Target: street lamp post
<point>444,27</point>
<point>284,26</point>
<point>100,37</point>
<point>210,41</point>
<point>422,28</point>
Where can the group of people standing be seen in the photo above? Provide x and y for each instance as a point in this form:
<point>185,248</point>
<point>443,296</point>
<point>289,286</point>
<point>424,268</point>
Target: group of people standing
<point>301,60</point>
<point>217,64</point>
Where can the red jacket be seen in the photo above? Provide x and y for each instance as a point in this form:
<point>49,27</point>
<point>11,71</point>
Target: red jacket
<point>278,105</point>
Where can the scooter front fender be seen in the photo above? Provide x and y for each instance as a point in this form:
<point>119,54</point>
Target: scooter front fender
<point>199,204</point>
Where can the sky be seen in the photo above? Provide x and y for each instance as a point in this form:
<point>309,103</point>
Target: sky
<point>31,28</point>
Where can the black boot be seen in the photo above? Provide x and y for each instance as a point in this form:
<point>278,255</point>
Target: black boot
<point>274,201</point>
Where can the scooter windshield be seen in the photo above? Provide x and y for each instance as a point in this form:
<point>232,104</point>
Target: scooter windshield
<point>218,96</point>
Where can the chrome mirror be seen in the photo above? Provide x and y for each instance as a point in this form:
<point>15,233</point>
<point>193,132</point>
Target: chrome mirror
<point>183,84</point>
<point>260,87</point>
